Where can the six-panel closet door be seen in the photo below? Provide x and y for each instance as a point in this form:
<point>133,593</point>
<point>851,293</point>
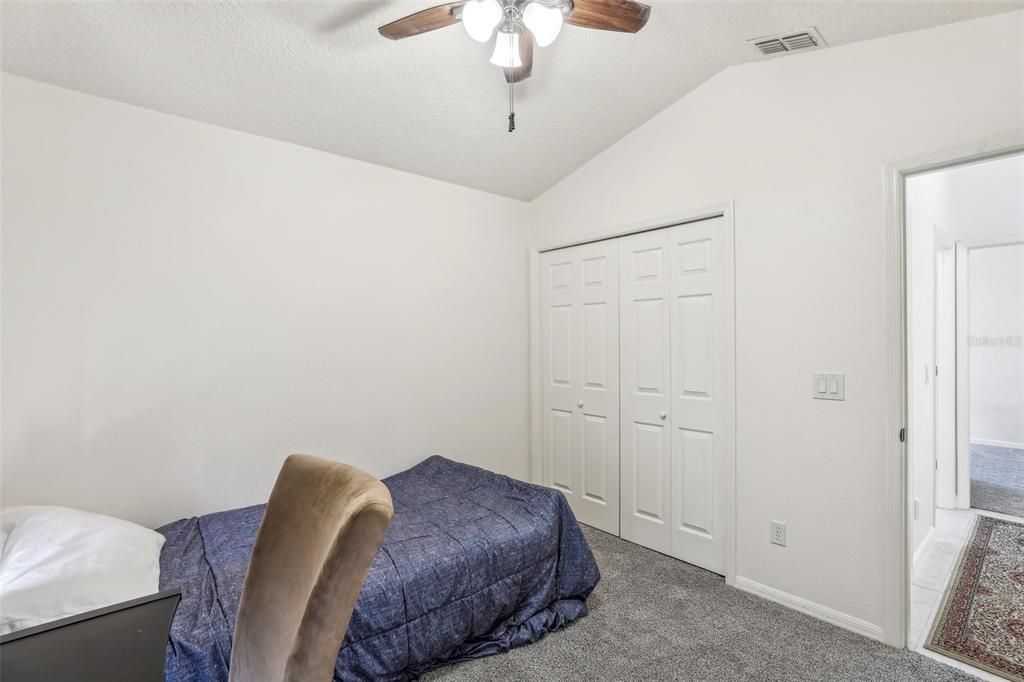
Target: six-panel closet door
<point>580,374</point>
<point>639,373</point>
<point>646,426</point>
<point>703,388</point>
<point>677,378</point>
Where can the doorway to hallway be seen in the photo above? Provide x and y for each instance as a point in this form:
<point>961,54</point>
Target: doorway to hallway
<point>965,391</point>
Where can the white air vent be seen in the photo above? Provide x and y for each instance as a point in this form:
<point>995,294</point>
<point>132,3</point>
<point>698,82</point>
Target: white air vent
<point>788,42</point>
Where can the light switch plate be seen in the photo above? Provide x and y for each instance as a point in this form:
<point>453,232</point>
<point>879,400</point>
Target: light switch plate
<point>829,386</point>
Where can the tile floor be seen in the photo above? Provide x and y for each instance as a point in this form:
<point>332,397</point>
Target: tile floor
<point>933,571</point>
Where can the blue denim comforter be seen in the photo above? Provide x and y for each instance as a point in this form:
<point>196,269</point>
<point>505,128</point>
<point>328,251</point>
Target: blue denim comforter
<point>474,564</point>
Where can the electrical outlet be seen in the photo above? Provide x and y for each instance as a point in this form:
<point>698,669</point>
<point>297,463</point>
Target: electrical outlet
<point>778,533</point>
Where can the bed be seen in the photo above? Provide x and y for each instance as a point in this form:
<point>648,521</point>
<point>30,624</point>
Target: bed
<point>473,564</point>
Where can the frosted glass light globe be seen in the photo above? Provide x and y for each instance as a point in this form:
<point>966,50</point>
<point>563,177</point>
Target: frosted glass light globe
<point>544,22</point>
<point>506,51</point>
<point>479,17</point>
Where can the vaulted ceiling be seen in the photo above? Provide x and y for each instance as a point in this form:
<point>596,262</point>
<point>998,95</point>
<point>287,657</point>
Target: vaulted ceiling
<point>319,75</point>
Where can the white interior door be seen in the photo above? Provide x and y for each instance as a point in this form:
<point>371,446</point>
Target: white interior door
<point>703,386</point>
<point>644,332</point>
<point>580,373</point>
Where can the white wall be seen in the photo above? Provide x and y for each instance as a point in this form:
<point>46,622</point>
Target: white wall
<point>185,305</point>
<point>800,143</point>
<point>996,311</point>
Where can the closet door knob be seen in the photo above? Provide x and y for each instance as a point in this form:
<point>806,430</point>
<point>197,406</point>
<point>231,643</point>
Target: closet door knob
<point>662,415</point>
<point>579,404</point>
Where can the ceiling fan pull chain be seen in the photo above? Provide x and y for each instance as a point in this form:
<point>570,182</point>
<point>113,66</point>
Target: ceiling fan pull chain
<point>511,107</point>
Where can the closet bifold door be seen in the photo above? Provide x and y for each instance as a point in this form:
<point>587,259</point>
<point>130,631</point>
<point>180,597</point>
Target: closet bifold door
<point>703,381</point>
<point>677,378</point>
<point>580,375</point>
<point>646,425</point>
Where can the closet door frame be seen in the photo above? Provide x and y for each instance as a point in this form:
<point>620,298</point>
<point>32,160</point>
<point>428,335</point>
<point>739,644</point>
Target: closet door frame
<point>724,210</point>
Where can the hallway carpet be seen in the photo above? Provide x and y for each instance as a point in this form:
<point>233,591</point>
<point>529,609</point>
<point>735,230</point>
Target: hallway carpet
<point>997,479</point>
<point>655,618</point>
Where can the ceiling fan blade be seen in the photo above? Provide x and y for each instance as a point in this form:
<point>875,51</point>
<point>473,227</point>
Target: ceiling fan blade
<point>421,22</point>
<point>523,72</point>
<point>609,15</point>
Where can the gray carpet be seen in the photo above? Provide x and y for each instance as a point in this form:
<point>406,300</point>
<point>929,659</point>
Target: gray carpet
<point>655,618</point>
<point>997,479</point>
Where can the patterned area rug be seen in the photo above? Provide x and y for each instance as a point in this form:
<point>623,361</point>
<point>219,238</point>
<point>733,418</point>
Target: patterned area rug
<point>982,619</point>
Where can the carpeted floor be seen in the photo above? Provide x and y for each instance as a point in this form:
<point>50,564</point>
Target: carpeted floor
<point>655,618</point>
<point>997,479</point>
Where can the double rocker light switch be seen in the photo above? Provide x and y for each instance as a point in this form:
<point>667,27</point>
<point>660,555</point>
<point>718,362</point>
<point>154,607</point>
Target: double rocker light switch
<point>829,386</point>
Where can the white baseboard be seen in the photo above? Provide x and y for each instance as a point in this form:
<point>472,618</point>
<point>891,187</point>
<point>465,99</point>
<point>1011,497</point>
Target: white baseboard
<point>837,618</point>
<point>997,443</point>
<point>924,544</point>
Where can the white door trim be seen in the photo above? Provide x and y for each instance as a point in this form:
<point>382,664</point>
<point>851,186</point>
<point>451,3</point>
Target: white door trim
<point>963,385</point>
<point>992,241</point>
<point>899,545</point>
<point>944,420</point>
<point>724,210</point>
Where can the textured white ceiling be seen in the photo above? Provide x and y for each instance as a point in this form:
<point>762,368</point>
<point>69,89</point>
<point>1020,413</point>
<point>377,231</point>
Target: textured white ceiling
<point>317,74</point>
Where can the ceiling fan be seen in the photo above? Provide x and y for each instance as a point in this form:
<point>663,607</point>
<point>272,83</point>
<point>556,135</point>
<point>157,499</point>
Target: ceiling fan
<point>520,24</point>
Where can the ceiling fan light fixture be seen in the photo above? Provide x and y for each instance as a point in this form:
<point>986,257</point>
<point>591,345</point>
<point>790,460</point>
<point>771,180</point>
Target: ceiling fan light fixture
<point>544,22</point>
<point>506,50</point>
<point>480,17</point>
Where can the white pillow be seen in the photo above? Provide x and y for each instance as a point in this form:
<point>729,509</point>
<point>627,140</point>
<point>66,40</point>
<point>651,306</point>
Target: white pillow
<point>57,562</point>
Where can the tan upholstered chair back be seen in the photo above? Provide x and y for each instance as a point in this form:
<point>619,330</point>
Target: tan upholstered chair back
<point>320,532</point>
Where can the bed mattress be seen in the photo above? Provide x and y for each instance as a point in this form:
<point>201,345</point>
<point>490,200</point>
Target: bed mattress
<point>473,564</point>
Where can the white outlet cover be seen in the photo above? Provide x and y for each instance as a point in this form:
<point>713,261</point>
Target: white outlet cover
<point>777,534</point>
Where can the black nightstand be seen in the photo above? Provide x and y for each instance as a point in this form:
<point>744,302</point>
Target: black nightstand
<point>125,641</point>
